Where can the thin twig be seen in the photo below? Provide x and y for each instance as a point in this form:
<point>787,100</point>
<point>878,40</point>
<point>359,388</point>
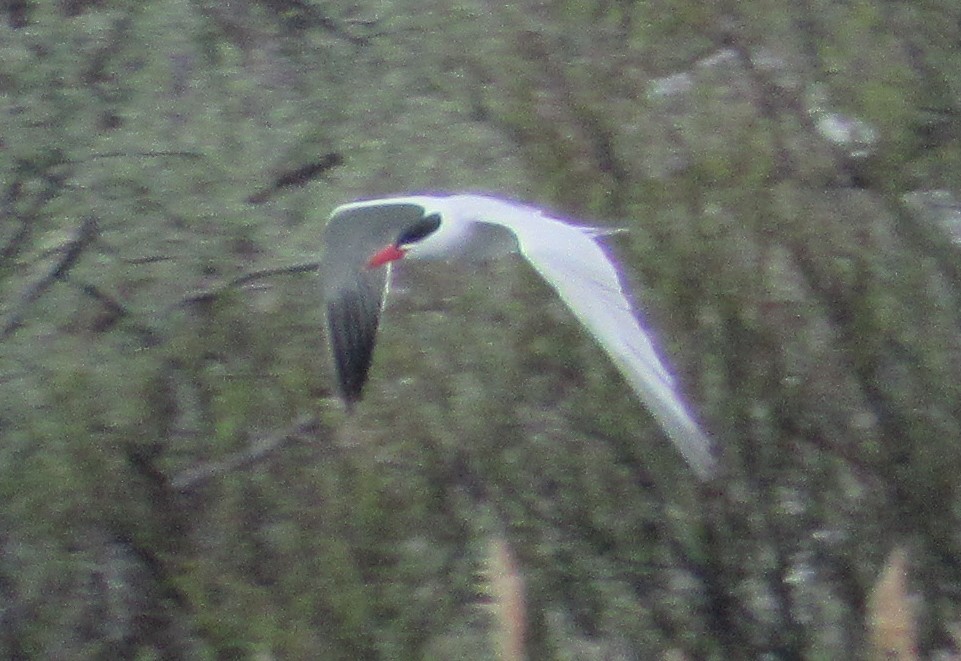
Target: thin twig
<point>213,292</point>
<point>296,177</point>
<point>71,250</point>
<point>258,450</point>
<point>139,154</point>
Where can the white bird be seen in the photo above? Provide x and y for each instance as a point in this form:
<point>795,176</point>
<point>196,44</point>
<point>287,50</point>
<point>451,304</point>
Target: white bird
<point>362,238</point>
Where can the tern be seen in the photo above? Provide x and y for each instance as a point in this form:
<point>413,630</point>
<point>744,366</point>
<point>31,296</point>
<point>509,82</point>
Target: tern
<point>362,240</point>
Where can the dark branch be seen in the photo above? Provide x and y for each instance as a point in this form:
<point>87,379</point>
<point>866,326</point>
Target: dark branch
<point>83,235</point>
<point>212,293</point>
<point>258,450</point>
<point>297,177</point>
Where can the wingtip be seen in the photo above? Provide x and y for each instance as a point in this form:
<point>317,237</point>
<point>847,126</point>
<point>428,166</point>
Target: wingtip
<point>705,466</point>
<point>350,400</point>
<point>697,450</point>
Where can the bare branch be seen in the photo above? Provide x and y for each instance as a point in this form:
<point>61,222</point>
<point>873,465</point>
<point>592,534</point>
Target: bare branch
<point>213,292</point>
<point>299,176</point>
<point>71,250</point>
<point>258,450</point>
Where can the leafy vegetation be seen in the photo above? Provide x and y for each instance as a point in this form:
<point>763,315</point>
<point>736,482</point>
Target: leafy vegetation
<point>179,481</point>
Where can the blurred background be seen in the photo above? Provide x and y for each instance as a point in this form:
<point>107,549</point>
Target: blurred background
<point>178,479</point>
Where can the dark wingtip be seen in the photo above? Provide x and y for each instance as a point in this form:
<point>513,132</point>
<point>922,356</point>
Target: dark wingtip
<point>352,318</point>
<point>350,403</point>
<point>351,391</point>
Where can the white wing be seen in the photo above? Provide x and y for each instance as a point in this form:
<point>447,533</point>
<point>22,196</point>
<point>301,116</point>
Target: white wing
<point>572,262</point>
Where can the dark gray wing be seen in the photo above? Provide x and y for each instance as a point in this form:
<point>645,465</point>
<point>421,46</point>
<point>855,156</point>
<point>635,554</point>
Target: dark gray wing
<point>353,315</point>
<point>354,294</point>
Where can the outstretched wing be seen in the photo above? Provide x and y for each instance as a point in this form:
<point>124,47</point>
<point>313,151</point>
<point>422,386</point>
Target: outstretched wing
<point>354,294</point>
<point>576,267</point>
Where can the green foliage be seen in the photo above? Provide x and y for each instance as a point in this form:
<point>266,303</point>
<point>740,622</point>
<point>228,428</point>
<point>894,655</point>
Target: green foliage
<point>160,499</point>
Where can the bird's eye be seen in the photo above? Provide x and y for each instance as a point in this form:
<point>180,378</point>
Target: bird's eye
<point>419,230</point>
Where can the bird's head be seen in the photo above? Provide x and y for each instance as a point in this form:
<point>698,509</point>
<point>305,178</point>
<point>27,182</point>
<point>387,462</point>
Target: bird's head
<point>406,242</point>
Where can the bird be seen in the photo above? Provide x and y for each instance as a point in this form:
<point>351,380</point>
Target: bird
<point>363,239</point>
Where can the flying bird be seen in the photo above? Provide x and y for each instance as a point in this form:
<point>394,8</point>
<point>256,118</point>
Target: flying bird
<point>363,239</point>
